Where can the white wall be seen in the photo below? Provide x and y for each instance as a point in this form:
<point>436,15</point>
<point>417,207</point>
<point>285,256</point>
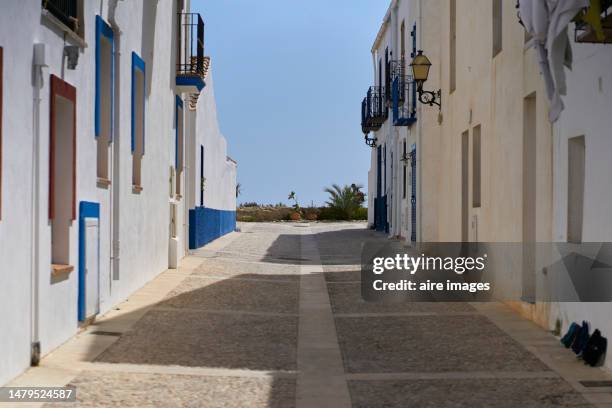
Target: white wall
<point>149,29</point>
<point>220,173</point>
<point>392,137</point>
<point>587,112</point>
<point>16,222</point>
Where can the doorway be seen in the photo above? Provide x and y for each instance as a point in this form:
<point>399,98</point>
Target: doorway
<point>89,261</point>
<point>529,198</point>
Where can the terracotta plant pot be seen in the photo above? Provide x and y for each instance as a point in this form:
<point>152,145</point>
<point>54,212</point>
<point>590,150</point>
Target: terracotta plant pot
<point>295,216</point>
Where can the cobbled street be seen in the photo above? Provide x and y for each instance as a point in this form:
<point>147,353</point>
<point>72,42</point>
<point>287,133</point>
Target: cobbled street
<point>272,317</point>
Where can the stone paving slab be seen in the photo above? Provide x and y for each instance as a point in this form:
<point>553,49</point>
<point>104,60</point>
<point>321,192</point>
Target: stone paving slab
<point>259,270</point>
<point>108,389</point>
<point>265,245</point>
<point>208,340</point>
<point>343,246</point>
<point>235,294</point>
<point>337,275</point>
<point>430,344</point>
<point>466,393</point>
<point>346,298</point>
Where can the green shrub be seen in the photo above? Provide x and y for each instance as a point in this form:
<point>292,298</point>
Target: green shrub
<point>331,214</point>
<point>346,200</point>
<point>361,214</point>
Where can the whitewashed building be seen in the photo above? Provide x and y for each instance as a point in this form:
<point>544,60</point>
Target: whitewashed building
<point>400,184</point>
<point>582,138</point>
<point>389,116</point>
<point>499,162</point>
<point>105,108</point>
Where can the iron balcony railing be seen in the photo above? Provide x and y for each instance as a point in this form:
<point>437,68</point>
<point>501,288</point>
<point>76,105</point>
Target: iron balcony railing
<point>397,69</point>
<point>374,109</point>
<point>584,33</point>
<point>64,10</point>
<point>190,45</point>
<point>404,100</point>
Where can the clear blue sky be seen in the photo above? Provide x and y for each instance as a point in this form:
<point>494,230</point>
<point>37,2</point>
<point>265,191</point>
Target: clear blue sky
<point>289,79</point>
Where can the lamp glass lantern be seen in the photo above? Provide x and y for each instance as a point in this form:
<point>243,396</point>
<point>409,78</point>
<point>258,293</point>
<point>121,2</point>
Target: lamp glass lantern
<point>420,71</point>
<point>420,68</point>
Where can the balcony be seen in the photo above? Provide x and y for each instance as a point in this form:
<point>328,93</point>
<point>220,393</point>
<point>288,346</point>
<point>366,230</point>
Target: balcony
<point>403,96</point>
<point>63,10</point>
<point>192,66</point>
<point>374,109</point>
<point>586,33</point>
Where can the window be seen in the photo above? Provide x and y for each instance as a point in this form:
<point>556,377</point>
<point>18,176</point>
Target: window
<point>380,72</point>
<point>403,40</point>
<point>104,98</point>
<point>379,172</point>
<point>67,12</point>
<point>476,167</point>
<point>497,27</point>
<point>385,169</point>
<point>387,75</point>
<point>529,167</point>
<point>179,144</point>
<point>530,124</point>
<point>62,168</point>
<point>465,212</point>
<point>138,120</point>
<point>404,168</point>
<point>453,45</point>
<point>575,188</point>
<point>1,93</point>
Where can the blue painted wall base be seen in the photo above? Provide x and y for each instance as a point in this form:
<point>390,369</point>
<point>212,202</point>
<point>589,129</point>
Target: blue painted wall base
<point>208,224</point>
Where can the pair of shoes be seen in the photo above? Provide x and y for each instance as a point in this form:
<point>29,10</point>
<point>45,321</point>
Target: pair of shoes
<point>595,349</point>
<point>581,340</point>
<point>590,348</point>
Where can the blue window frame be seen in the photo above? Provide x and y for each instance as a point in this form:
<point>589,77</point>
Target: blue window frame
<point>178,111</point>
<point>179,143</point>
<point>138,120</point>
<point>104,33</point>
<point>138,81</point>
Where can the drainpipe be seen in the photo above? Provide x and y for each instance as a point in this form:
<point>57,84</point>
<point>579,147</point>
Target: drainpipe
<point>419,153</point>
<point>116,151</point>
<point>38,64</point>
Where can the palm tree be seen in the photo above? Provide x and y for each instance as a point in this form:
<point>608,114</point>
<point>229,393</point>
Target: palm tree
<point>293,197</point>
<point>238,189</point>
<point>346,200</point>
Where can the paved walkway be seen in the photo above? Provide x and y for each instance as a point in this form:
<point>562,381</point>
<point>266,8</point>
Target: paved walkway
<point>272,317</point>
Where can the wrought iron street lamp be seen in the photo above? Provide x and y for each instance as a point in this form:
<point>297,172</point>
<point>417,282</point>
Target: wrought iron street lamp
<point>420,71</point>
<point>370,141</point>
<point>408,158</point>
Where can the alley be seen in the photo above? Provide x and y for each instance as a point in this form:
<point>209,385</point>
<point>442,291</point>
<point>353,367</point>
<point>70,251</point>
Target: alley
<point>272,317</point>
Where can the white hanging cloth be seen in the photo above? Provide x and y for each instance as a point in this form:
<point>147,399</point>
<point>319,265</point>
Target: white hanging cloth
<point>547,22</point>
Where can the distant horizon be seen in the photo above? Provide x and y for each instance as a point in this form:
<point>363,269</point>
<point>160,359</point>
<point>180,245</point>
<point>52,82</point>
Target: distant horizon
<point>290,114</point>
